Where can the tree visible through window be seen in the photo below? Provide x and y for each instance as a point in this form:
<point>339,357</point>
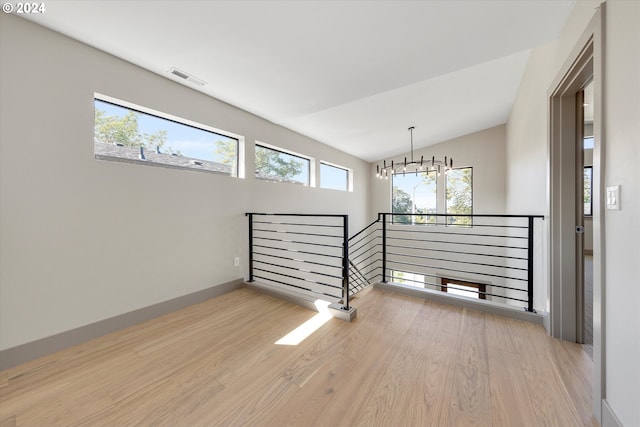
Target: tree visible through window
<point>126,134</point>
<point>406,278</point>
<point>459,195</point>
<point>414,194</point>
<point>276,165</point>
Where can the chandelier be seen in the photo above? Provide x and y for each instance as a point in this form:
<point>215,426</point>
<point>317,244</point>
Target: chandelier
<point>413,166</point>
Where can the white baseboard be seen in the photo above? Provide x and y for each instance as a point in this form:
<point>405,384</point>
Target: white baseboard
<point>481,305</point>
<point>609,419</point>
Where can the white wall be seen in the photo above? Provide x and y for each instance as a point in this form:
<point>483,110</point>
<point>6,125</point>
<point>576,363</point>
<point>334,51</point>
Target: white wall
<point>622,228</point>
<point>484,151</point>
<point>527,135</point>
<point>83,240</point>
<point>527,127</point>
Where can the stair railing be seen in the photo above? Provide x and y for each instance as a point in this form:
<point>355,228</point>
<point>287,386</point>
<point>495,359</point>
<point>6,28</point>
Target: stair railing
<point>491,256</point>
<point>364,256</point>
<point>302,252</point>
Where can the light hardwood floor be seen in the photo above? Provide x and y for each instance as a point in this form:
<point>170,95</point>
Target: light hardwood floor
<point>403,362</point>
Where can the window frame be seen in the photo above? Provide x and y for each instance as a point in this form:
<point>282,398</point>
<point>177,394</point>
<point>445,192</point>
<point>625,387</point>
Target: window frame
<point>427,215</point>
<point>311,165</point>
<point>349,177</point>
<point>446,207</point>
<point>413,283</point>
<point>239,169</point>
<point>481,287</point>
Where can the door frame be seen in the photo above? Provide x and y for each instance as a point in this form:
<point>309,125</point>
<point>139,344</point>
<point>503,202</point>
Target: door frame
<point>579,213</point>
<point>585,61</point>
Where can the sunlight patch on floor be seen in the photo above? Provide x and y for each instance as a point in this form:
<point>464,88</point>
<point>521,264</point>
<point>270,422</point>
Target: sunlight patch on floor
<point>299,334</point>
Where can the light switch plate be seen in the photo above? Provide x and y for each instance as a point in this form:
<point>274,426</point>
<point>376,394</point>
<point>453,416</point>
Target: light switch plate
<point>613,198</point>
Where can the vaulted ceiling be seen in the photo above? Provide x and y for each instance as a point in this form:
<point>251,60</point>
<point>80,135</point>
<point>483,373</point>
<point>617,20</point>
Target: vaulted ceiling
<point>351,74</point>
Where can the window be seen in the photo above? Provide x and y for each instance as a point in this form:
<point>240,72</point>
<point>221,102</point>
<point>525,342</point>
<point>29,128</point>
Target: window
<point>406,278</point>
<point>463,288</point>
<point>459,195</point>
<point>414,194</point>
<point>588,143</point>
<point>334,177</point>
<point>128,134</point>
<point>273,164</point>
<point>588,178</point>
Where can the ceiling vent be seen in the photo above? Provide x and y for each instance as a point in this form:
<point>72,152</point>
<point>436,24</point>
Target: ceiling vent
<point>185,76</point>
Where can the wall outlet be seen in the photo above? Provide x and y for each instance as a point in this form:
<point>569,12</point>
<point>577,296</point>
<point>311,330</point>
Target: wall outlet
<point>236,262</point>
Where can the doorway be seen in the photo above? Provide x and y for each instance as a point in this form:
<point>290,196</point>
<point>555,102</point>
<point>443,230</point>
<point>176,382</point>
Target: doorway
<point>583,66</point>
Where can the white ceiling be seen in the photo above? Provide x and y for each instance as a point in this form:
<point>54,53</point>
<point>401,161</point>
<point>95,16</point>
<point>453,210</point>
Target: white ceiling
<point>351,74</point>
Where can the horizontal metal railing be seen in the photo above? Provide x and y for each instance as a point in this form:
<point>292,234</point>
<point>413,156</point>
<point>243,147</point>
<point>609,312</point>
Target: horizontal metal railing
<point>489,256</point>
<point>365,257</point>
<point>305,252</point>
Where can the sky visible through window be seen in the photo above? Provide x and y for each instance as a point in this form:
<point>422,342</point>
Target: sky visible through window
<point>201,144</point>
<point>189,141</point>
<point>334,178</point>
<point>421,192</point>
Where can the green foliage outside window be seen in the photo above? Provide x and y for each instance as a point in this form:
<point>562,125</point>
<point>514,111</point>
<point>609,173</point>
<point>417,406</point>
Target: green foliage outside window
<point>459,195</point>
<point>423,190</point>
<point>125,131</point>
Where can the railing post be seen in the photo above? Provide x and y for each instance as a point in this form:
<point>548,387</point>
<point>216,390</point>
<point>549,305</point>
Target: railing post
<point>530,267</point>
<point>384,248</point>
<point>345,260</point>
<point>250,246</point>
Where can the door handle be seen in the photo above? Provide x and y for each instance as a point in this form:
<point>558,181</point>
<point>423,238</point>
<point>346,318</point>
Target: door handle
<point>580,229</point>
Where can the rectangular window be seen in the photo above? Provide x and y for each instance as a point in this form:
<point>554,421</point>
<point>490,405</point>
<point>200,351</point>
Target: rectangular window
<point>588,178</point>
<point>414,194</point>
<point>273,164</point>
<point>463,288</point>
<point>406,278</point>
<point>128,134</point>
<point>459,195</point>
<point>334,177</point>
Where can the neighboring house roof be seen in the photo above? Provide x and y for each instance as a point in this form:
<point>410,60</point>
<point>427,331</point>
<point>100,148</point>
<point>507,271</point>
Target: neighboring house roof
<point>132,154</point>
<point>104,151</point>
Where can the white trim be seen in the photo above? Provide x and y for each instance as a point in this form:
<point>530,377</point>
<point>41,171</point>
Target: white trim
<point>465,302</point>
<point>346,169</point>
<point>562,319</point>
<point>240,149</point>
<point>164,115</point>
<point>609,418</point>
<point>312,161</point>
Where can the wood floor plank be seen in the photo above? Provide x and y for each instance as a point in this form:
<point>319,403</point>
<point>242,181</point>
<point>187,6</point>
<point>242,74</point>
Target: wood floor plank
<point>508,387</point>
<point>553,405</point>
<point>473,345</point>
<point>386,400</point>
<point>348,403</point>
<point>307,406</point>
<point>420,368</point>
<point>403,362</point>
<point>470,399</point>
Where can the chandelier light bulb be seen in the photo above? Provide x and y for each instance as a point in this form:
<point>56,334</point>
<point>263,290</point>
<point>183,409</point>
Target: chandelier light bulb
<point>413,166</point>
